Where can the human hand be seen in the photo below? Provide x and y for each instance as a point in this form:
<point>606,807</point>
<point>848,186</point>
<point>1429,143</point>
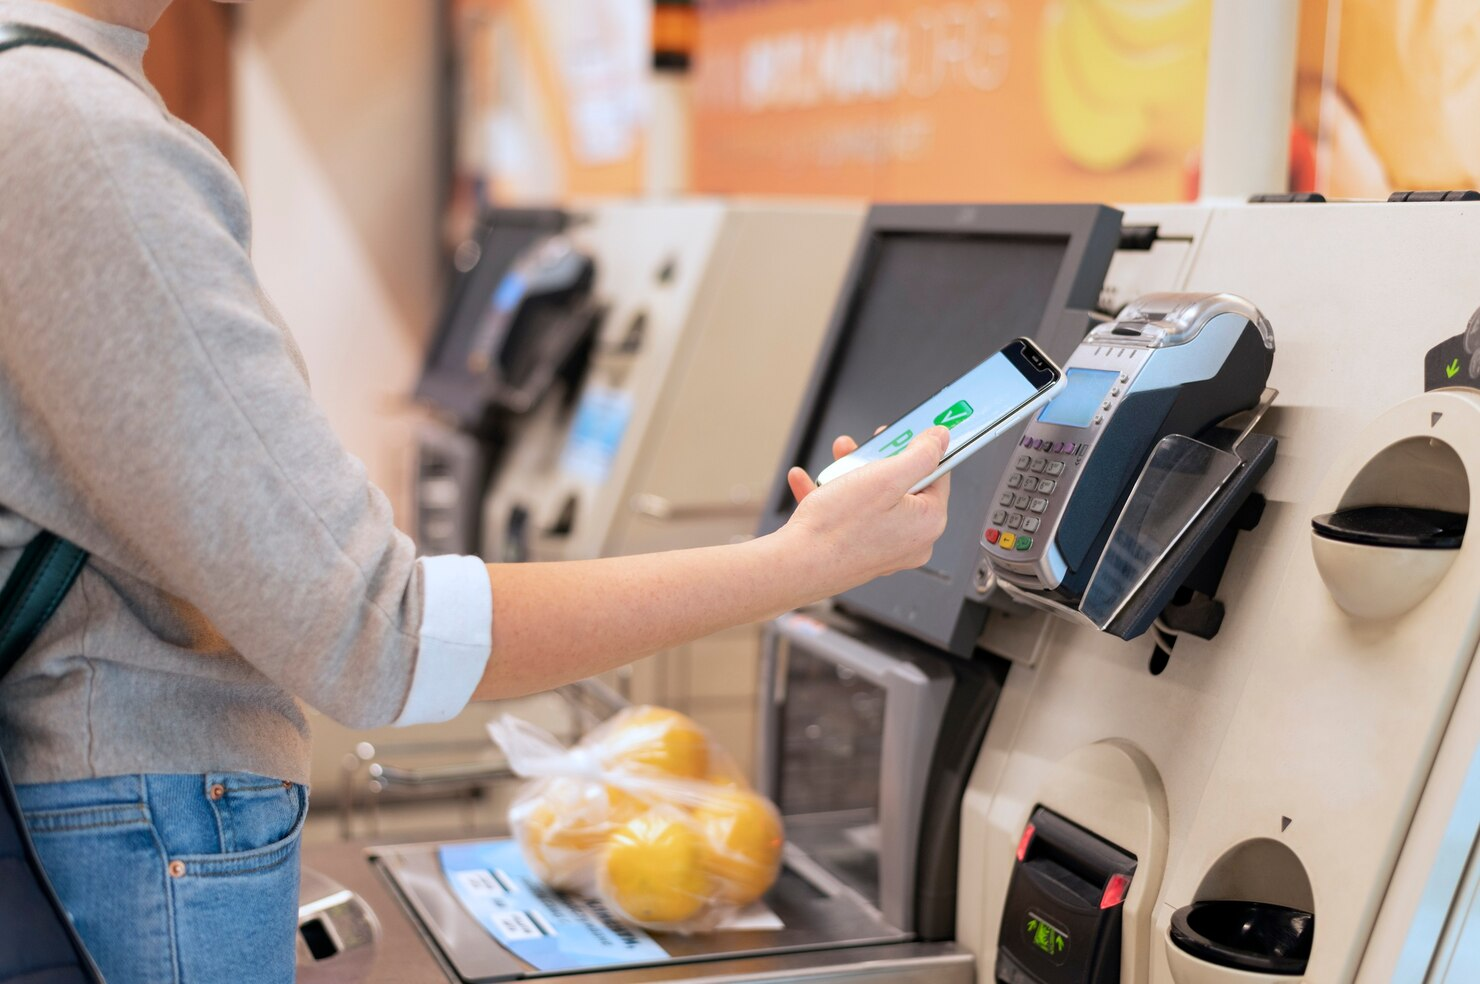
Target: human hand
<point>866,524</point>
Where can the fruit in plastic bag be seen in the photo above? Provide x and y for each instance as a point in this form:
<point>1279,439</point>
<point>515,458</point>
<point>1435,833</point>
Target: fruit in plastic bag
<point>653,872</point>
<point>744,839</point>
<point>562,825</point>
<point>646,814</point>
<point>655,739</point>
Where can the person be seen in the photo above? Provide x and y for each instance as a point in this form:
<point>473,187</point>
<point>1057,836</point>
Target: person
<point>155,411</point>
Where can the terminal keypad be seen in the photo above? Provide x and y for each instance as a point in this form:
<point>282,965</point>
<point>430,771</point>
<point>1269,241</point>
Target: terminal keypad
<point>1031,488</point>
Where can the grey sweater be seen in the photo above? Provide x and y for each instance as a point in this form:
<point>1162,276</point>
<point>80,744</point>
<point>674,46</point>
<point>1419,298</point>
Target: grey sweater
<point>154,410</point>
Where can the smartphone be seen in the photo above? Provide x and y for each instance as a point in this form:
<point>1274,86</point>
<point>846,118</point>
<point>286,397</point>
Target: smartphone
<point>978,407</point>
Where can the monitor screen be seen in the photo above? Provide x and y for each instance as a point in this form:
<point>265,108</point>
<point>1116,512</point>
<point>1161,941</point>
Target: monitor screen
<point>1076,405</point>
<point>928,306</point>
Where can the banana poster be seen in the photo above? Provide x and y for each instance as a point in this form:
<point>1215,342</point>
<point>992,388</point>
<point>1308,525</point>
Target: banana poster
<point>938,99</point>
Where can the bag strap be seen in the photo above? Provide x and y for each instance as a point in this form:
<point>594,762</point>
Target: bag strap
<point>25,35</point>
<point>45,573</point>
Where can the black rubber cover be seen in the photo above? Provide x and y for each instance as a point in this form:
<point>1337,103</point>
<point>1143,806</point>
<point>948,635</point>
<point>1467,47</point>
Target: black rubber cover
<point>973,699</point>
<point>1253,936</point>
<point>1394,526</point>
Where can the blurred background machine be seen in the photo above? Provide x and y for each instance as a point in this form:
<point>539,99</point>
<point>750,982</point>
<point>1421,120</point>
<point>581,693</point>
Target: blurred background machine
<point>517,319</point>
<point>614,378</point>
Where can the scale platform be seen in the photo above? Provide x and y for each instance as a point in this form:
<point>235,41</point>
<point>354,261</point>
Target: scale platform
<point>817,913</point>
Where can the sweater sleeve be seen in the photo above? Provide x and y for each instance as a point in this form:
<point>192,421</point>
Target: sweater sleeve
<point>173,431</point>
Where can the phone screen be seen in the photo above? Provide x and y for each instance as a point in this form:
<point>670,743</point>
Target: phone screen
<point>968,407</point>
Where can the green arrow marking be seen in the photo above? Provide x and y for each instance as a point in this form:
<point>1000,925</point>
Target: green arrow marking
<point>1452,369</point>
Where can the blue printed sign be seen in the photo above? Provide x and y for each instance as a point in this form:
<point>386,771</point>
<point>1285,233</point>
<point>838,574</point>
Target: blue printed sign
<point>547,929</point>
<point>596,433</point>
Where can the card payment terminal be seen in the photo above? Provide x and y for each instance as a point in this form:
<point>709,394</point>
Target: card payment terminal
<point>1170,364</point>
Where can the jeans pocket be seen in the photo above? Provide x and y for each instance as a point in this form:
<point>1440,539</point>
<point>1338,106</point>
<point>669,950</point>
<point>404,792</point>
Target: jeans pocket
<point>252,811</point>
<point>236,913</point>
<point>260,828</point>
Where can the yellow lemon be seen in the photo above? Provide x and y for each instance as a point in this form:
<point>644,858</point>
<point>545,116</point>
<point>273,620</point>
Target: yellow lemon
<point>653,870</point>
<point>625,805</point>
<point>745,840</point>
<point>655,739</point>
<point>561,828</point>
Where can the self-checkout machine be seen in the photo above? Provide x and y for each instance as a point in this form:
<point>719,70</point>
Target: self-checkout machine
<point>1262,785</point>
<point>928,290</point>
<point>872,709</point>
<point>713,313</point>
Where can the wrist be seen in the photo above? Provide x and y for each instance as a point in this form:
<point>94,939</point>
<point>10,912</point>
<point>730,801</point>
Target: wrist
<point>801,563</point>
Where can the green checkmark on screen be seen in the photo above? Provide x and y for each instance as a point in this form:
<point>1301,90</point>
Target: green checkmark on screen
<point>954,414</point>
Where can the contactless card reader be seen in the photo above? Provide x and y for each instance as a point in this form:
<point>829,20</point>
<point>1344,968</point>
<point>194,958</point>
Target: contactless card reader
<point>1170,364</point>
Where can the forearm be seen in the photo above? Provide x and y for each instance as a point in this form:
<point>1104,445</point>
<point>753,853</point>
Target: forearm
<point>555,623</point>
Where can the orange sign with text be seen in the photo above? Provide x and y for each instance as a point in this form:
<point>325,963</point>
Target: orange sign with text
<point>1028,100</point>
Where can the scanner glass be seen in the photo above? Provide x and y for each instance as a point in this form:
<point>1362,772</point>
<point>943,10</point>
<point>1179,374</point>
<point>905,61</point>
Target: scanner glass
<point>832,744</point>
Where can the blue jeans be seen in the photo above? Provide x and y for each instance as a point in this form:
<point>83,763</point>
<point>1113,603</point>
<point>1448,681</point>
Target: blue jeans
<point>176,878</point>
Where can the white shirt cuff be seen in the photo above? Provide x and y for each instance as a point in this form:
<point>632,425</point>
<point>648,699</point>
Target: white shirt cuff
<point>455,639</point>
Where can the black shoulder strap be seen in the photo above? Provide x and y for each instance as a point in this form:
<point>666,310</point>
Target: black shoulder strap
<point>37,938</point>
<point>25,35</point>
<point>45,573</point>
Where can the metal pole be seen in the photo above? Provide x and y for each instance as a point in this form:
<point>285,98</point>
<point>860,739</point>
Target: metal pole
<point>1251,95</point>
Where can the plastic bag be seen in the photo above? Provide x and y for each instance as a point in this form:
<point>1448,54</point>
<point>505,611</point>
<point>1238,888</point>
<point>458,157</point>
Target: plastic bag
<point>646,813</point>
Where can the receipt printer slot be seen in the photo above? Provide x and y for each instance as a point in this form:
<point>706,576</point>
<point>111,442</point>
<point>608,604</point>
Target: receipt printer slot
<point>1062,921</point>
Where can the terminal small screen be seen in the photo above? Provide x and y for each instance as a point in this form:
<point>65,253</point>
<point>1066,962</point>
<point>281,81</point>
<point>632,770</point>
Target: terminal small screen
<point>1083,393</point>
